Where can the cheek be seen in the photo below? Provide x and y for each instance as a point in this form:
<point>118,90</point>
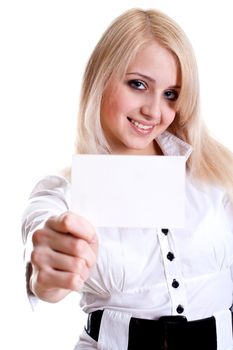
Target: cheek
<point>107,109</point>
<point>115,109</point>
<point>169,116</point>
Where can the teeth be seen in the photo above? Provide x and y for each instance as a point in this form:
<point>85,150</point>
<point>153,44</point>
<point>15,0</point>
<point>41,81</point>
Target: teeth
<point>141,126</point>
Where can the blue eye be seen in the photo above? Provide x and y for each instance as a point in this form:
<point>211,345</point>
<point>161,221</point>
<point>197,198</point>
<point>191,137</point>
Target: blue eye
<point>171,95</point>
<point>137,84</point>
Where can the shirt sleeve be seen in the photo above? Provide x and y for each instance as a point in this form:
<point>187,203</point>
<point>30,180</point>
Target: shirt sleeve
<point>228,205</point>
<point>50,196</point>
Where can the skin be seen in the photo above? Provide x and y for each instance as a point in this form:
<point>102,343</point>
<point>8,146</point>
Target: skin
<point>134,111</point>
<point>64,251</point>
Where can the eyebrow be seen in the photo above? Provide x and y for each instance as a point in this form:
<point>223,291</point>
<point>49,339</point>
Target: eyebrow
<point>150,79</point>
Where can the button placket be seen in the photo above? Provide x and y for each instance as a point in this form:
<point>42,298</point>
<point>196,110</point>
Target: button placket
<point>172,269</point>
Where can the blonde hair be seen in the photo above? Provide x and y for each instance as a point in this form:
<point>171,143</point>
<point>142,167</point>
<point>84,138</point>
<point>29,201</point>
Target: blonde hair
<point>209,161</point>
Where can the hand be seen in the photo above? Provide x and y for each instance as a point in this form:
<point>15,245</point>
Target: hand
<point>64,251</point>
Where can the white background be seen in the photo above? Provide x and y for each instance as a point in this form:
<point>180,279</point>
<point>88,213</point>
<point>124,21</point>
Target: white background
<point>44,46</point>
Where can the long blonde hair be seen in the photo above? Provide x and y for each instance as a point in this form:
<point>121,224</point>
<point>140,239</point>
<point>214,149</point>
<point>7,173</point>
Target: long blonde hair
<point>210,161</point>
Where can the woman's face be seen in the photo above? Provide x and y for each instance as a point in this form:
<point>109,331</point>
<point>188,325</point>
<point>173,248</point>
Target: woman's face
<point>140,107</point>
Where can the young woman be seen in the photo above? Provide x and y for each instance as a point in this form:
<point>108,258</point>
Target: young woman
<point>140,96</point>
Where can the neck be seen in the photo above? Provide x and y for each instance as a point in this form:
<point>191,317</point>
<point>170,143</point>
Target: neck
<point>153,149</point>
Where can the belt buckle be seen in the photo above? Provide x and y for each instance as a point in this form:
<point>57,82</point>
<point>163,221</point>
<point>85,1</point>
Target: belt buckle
<point>170,325</point>
<point>176,319</point>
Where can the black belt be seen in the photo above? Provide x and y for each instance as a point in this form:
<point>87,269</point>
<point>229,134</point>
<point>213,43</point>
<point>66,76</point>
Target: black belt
<point>168,332</point>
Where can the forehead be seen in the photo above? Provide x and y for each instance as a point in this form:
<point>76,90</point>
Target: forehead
<point>157,62</point>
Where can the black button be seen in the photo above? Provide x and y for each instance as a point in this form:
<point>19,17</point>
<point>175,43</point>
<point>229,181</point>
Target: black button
<point>175,284</point>
<point>165,231</point>
<point>170,256</point>
<point>180,309</point>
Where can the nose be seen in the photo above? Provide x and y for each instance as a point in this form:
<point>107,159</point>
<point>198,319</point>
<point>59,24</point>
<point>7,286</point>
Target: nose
<point>152,109</point>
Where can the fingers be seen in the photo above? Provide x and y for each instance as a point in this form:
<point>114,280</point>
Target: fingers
<point>65,244</point>
<point>73,224</point>
<point>57,270</point>
<point>63,280</point>
<point>50,284</point>
<point>64,251</point>
<point>71,264</point>
<point>48,259</point>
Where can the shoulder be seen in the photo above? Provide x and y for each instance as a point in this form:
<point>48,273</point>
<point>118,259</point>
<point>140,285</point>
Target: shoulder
<point>52,185</point>
<point>51,182</point>
<point>208,192</point>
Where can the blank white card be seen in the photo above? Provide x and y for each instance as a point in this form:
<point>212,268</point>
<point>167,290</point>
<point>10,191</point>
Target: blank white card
<point>129,191</point>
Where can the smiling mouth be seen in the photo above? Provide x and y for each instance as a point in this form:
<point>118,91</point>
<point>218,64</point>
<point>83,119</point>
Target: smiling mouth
<point>140,126</point>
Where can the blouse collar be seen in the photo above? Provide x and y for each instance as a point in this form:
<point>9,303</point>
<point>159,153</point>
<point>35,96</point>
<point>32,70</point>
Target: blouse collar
<point>171,145</point>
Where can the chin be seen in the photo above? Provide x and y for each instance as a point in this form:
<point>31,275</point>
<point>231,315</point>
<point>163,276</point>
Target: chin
<point>139,149</point>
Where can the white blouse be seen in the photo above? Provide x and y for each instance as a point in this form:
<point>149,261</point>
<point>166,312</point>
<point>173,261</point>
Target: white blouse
<point>148,273</point>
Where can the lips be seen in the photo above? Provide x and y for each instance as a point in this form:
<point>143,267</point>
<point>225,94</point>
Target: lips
<point>141,127</point>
